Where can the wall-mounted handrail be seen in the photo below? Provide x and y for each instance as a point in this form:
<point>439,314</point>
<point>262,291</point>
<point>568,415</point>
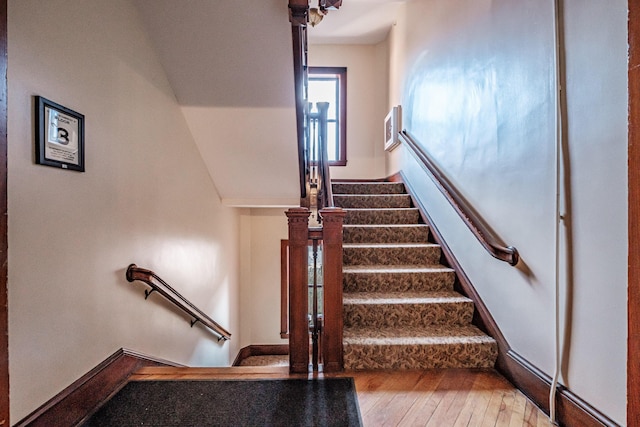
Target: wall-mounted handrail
<point>485,235</point>
<point>163,288</point>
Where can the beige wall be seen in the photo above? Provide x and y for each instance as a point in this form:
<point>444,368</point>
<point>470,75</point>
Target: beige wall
<point>251,153</point>
<point>146,197</point>
<point>262,231</point>
<point>476,80</point>
<point>366,105</point>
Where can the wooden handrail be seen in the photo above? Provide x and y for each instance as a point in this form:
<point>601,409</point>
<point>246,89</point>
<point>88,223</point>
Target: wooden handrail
<point>298,15</point>
<point>485,235</point>
<point>157,284</point>
<point>322,155</point>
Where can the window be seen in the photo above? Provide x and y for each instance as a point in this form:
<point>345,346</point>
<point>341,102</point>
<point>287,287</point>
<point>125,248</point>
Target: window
<point>329,84</point>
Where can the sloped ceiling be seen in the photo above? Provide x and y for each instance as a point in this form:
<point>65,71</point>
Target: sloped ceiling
<point>230,66</point>
<point>223,53</point>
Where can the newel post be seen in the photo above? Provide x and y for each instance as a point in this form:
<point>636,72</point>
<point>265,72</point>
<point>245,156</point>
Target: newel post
<point>298,292</point>
<point>332,219</point>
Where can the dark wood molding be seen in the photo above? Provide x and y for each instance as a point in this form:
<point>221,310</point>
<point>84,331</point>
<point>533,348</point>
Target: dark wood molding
<point>571,410</point>
<point>298,12</point>
<point>298,16</point>
<point>633,334</point>
<point>77,402</point>
<point>298,219</point>
<point>260,350</point>
<point>4,312</point>
<point>284,289</point>
<point>535,384</point>
<point>341,73</point>
<point>332,219</point>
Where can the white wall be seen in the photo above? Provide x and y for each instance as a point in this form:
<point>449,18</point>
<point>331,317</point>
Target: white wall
<point>366,105</point>
<point>476,80</point>
<point>230,66</point>
<point>251,153</point>
<point>146,197</point>
<point>262,231</point>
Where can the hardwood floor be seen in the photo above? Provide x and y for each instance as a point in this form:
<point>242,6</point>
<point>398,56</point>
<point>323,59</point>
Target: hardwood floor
<point>442,398</point>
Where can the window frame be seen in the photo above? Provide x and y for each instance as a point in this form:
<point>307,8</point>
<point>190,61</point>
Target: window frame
<point>340,74</point>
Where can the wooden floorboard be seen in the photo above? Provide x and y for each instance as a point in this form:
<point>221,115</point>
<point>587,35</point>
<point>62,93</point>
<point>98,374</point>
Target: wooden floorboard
<point>450,397</point>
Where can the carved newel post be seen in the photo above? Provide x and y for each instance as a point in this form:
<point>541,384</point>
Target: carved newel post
<point>332,219</point>
<point>298,291</point>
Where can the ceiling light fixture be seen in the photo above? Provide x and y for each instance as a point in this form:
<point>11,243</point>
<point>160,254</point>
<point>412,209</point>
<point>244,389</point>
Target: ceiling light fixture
<point>315,16</point>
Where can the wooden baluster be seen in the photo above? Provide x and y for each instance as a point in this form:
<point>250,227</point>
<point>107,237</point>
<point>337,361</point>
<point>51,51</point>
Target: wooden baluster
<point>298,291</point>
<point>332,219</point>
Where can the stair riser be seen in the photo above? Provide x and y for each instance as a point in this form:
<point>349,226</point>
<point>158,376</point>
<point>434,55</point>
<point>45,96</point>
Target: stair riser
<point>398,282</point>
<point>391,255</point>
<point>373,201</point>
<point>368,188</point>
<point>402,324</point>
<point>408,234</point>
<point>405,216</point>
<point>359,357</point>
<point>410,314</point>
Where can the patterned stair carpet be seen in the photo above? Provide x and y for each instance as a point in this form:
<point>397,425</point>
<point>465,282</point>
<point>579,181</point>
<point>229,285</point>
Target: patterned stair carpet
<point>400,308</point>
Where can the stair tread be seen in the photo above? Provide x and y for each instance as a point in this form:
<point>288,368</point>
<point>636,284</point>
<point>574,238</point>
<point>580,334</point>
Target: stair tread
<point>409,268</point>
<point>380,209</point>
<point>412,335</point>
<point>390,245</point>
<point>411,297</point>
<point>370,195</point>
<point>385,225</point>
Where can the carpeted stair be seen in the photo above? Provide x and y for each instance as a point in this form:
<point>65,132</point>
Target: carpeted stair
<point>400,308</point>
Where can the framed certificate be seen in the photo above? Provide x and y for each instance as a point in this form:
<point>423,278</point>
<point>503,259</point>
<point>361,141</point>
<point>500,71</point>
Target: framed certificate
<point>59,136</point>
<point>392,128</point>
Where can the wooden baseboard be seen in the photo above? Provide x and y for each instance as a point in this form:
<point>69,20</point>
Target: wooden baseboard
<point>260,350</point>
<point>77,402</point>
<point>571,410</point>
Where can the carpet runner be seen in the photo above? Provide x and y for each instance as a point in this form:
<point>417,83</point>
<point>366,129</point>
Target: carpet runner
<point>400,308</point>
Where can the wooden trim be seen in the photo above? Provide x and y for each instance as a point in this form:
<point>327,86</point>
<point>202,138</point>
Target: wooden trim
<point>633,343</point>
<point>480,229</point>
<point>536,385</point>
<point>298,219</point>
<point>284,289</point>
<point>332,219</point>
<point>571,410</point>
<point>77,402</point>
<point>4,315</point>
<point>298,11</point>
<point>341,73</point>
<point>260,350</point>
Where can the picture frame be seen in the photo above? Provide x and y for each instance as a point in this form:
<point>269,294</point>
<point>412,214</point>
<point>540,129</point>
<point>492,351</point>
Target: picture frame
<point>59,136</point>
<point>392,125</point>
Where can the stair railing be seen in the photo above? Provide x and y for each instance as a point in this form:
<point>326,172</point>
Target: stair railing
<point>316,197</point>
<point>298,16</point>
<point>163,288</point>
<point>319,159</point>
<point>485,235</point>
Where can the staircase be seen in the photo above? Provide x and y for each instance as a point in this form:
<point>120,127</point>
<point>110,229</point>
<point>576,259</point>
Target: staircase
<point>400,308</point>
